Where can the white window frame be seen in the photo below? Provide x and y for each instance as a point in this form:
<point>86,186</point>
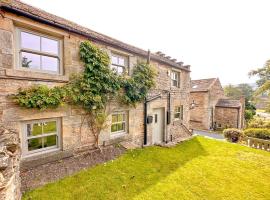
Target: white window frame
<point>19,50</point>
<point>175,76</point>
<point>116,66</point>
<point>125,121</point>
<point>25,137</point>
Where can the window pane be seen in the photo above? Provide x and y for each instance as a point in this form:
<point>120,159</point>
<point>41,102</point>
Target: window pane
<point>121,61</point>
<point>115,60</point>
<point>120,127</point>
<point>34,144</point>
<point>114,118</point>
<point>121,117</point>
<point>30,41</point>
<point>50,141</point>
<point>114,128</point>
<point>49,127</point>
<point>120,70</point>
<point>177,115</point>
<point>174,83</point>
<point>49,63</point>
<point>49,45</point>
<point>34,129</point>
<point>30,60</point>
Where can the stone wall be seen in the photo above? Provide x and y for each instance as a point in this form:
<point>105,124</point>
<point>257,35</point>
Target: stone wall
<point>202,116</point>
<point>227,117</point>
<point>73,135</point>
<point>9,164</point>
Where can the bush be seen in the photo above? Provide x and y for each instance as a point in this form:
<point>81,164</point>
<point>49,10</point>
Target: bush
<point>232,134</point>
<point>249,114</point>
<point>259,123</point>
<point>261,133</point>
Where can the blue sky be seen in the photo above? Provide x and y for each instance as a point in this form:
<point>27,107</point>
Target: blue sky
<point>218,38</point>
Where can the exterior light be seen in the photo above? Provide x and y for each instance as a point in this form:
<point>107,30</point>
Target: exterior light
<point>192,105</point>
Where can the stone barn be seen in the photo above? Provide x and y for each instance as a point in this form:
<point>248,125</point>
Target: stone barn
<point>212,109</point>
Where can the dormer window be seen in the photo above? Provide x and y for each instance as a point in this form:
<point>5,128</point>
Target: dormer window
<point>38,52</point>
<point>175,78</point>
<point>119,63</point>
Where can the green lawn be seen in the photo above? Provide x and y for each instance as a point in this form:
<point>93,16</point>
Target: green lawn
<point>196,169</point>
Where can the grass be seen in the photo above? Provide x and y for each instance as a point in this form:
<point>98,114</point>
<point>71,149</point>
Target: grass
<point>196,169</point>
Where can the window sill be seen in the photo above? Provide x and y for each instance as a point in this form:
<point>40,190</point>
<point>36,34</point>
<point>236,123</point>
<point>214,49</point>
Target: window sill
<point>30,75</point>
<point>118,135</point>
<point>40,153</point>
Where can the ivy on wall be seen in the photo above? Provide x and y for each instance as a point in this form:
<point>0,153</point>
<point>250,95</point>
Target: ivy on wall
<point>92,89</point>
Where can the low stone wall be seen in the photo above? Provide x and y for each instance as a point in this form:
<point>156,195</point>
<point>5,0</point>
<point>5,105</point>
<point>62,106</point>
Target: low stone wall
<point>9,164</point>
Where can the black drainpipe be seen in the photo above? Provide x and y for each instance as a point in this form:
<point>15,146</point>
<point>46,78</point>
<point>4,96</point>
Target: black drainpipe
<point>145,107</point>
<point>145,122</point>
<point>238,110</point>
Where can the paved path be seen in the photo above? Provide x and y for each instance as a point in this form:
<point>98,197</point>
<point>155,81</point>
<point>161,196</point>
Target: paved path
<point>208,134</point>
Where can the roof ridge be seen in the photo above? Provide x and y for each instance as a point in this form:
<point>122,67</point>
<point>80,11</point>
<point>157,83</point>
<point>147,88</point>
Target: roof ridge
<point>43,16</point>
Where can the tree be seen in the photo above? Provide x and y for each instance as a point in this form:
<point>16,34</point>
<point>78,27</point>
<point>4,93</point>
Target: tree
<point>263,74</point>
<point>242,90</point>
<point>263,82</point>
<point>232,92</point>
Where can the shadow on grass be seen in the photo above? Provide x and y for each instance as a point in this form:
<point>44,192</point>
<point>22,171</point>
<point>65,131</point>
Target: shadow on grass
<point>125,177</point>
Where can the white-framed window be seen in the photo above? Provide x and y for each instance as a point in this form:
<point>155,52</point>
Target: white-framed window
<point>119,63</point>
<point>38,52</point>
<point>41,136</point>
<point>178,112</point>
<point>175,78</point>
<point>119,122</point>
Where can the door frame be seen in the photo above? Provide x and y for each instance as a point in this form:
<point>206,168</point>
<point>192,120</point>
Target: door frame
<point>163,139</point>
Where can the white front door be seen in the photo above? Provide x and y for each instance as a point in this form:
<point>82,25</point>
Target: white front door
<point>158,126</point>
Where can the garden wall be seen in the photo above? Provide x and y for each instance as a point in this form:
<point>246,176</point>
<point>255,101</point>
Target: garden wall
<point>9,164</point>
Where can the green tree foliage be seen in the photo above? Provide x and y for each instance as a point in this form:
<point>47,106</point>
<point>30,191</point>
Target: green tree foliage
<point>232,92</point>
<point>242,90</point>
<point>262,73</point>
<point>263,82</point>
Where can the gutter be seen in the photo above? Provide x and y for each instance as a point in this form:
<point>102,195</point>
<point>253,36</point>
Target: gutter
<point>96,39</point>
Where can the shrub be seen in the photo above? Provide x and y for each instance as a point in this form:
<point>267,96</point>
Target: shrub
<point>232,134</point>
<point>249,114</point>
<point>259,123</point>
<point>261,133</point>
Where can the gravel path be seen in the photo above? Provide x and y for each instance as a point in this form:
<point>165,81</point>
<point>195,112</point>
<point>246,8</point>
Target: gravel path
<point>209,134</point>
<point>50,172</point>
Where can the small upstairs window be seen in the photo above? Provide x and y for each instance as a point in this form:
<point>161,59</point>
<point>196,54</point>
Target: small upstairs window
<point>119,63</point>
<point>175,78</point>
<point>38,52</point>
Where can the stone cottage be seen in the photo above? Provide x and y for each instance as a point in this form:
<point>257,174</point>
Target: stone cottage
<point>51,43</point>
<point>212,109</point>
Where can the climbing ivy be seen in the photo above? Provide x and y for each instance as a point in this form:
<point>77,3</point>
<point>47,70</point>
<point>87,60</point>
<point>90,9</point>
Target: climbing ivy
<point>92,89</point>
<point>40,97</point>
<point>137,86</point>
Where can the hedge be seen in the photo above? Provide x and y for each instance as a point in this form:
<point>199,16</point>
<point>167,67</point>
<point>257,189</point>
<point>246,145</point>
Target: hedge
<point>261,133</point>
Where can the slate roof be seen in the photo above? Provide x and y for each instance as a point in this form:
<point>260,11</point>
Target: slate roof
<point>228,103</point>
<point>202,85</point>
<point>42,16</point>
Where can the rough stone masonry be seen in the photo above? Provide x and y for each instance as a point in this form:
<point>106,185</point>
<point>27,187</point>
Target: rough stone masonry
<point>9,164</point>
